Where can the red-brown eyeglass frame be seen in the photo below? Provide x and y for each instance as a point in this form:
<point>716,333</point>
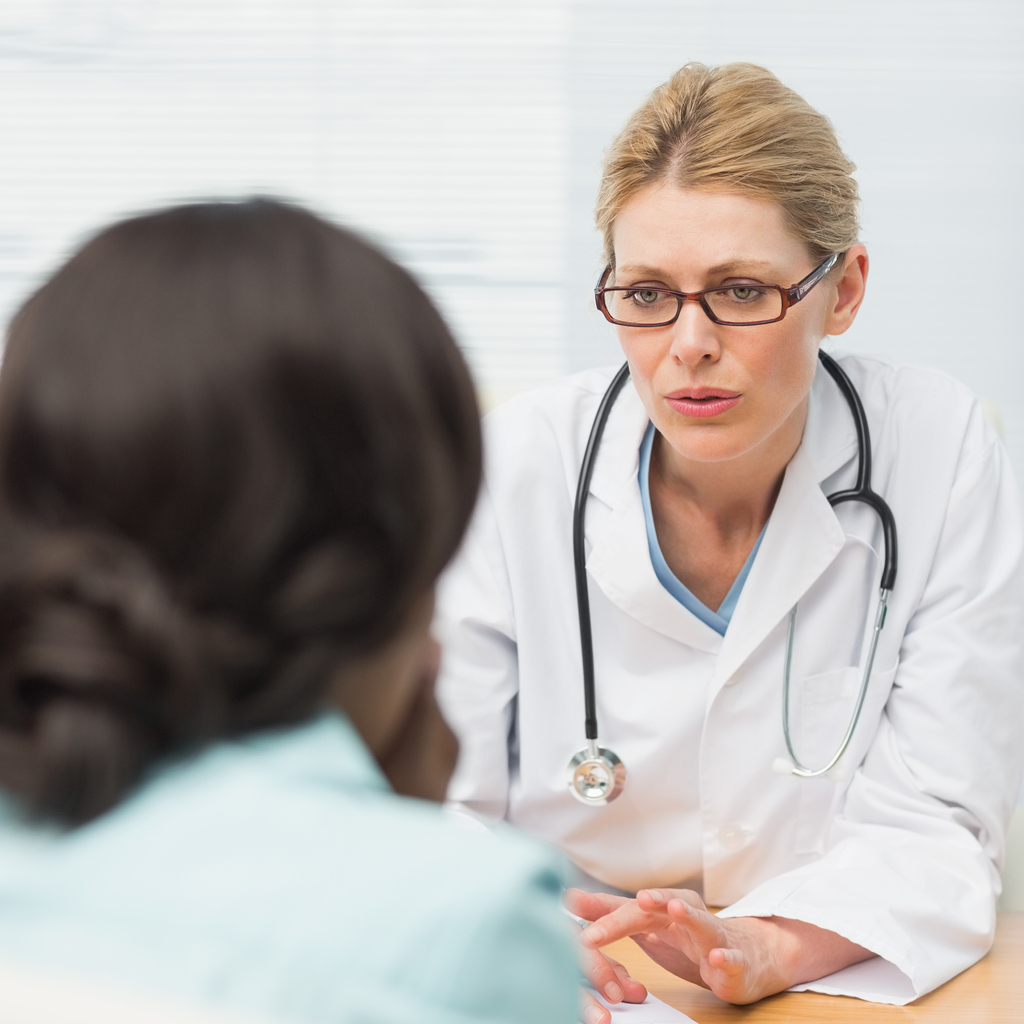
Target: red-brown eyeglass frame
<point>790,296</point>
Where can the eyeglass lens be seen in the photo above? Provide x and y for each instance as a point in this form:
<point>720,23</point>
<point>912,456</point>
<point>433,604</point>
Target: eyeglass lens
<point>643,307</point>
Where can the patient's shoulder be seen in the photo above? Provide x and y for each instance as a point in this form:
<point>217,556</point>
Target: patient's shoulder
<point>282,871</point>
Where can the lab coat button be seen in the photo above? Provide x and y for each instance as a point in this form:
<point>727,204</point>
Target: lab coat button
<point>732,837</point>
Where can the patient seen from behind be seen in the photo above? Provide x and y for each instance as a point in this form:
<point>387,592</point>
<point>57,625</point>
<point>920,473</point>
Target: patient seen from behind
<point>237,446</point>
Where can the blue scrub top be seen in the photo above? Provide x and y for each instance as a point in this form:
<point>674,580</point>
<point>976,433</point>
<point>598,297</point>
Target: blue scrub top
<point>718,621</point>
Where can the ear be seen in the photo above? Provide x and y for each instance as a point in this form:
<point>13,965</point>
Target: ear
<point>849,291</point>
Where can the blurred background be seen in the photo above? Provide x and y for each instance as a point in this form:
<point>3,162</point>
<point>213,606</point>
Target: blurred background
<point>466,138</point>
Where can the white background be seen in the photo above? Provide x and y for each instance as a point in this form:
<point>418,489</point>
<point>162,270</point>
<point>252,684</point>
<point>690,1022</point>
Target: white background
<point>467,137</point>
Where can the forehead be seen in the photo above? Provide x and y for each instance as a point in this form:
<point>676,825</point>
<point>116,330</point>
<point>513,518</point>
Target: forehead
<point>685,231</point>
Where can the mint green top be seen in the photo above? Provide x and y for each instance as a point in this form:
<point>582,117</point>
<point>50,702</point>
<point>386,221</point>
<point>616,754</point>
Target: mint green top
<point>280,876</point>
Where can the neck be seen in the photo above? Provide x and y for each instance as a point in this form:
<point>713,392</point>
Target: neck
<point>735,496</point>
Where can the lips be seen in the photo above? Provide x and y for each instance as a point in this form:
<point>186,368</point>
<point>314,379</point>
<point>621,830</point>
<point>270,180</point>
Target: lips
<point>702,403</point>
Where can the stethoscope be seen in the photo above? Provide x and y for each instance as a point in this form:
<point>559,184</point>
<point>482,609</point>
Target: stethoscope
<point>596,774</point>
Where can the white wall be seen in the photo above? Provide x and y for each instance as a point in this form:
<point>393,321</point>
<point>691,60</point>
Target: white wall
<point>467,137</point>
<point>927,98</point>
<point>438,128</point>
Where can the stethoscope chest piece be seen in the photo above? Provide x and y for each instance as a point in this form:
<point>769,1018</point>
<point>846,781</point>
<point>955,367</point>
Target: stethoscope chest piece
<point>596,775</point>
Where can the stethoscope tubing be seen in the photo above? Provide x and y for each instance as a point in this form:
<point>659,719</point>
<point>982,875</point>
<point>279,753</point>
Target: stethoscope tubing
<point>794,766</point>
<point>579,553</point>
<point>861,492</point>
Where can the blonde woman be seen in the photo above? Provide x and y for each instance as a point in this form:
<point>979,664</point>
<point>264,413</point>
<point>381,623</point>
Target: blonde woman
<point>742,475</point>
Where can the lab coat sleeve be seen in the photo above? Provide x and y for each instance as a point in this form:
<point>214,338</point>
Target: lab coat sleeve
<point>479,680</point>
<point>911,867</point>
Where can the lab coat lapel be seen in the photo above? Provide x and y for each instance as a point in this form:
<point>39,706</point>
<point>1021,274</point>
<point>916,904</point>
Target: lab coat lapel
<point>803,536</point>
<point>619,561</point>
<point>802,539</point>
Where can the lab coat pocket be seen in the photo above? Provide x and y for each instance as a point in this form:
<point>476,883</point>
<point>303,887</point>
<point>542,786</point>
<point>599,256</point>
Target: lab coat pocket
<point>821,713</point>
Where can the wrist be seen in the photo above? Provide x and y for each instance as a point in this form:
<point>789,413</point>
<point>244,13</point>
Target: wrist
<point>780,951</point>
<point>798,952</point>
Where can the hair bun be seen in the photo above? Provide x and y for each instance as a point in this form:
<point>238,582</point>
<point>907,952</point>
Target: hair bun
<point>237,445</point>
<point>100,670</point>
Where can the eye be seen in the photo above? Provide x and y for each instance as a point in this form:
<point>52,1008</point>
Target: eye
<point>744,293</point>
<point>645,296</point>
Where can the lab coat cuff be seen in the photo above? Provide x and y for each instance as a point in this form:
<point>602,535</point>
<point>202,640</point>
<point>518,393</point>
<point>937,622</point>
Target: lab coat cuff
<point>885,978</point>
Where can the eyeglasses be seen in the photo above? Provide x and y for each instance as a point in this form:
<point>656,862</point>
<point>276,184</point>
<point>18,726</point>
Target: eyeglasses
<point>746,305</point>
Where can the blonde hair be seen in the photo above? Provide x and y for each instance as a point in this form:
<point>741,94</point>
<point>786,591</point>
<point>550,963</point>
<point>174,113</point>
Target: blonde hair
<point>736,128</point>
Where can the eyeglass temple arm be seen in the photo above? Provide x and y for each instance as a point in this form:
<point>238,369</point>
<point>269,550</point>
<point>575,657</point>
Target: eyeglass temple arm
<point>794,294</point>
<point>801,288</point>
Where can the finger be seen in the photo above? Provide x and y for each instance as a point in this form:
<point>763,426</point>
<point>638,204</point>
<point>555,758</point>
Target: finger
<point>703,928</point>
<point>591,905</point>
<point>632,990</point>
<point>692,898</point>
<point>602,975</point>
<point>729,961</point>
<point>673,958</point>
<point>658,899</point>
<point>592,1011</point>
<point>628,919</point>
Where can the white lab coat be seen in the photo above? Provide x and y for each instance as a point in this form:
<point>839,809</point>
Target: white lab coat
<point>901,852</point>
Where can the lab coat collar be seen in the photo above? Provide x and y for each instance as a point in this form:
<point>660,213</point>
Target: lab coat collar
<point>803,535</point>
<point>619,561</point>
<point>830,438</point>
<point>802,539</point>
<point>618,457</point>
<point>620,564</point>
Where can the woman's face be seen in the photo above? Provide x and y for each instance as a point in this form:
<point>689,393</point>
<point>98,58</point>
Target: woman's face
<point>717,393</point>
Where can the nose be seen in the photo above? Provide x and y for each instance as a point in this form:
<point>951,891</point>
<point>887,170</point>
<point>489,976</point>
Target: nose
<point>694,336</point>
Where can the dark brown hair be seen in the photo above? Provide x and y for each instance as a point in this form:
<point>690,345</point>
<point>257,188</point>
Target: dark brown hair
<point>236,444</point>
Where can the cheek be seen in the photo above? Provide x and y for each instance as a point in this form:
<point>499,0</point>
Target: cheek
<point>644,361</point>
<point>783,370</point>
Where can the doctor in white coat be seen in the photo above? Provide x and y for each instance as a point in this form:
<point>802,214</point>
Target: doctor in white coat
<point>707,520</point>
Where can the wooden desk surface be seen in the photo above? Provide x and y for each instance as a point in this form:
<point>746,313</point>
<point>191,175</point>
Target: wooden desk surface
<point>992,991</point>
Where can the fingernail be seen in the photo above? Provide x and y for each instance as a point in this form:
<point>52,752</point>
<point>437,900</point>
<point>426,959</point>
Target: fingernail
<point>593,1014</point>
<point>593,933</point>
<point>656,895</point>
<point>612,992</point>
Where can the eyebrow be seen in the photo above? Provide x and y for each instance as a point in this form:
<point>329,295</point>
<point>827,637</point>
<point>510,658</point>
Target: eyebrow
<point>718,268</point>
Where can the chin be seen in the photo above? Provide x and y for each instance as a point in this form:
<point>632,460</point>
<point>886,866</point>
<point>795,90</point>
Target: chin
<point>717,446</point>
